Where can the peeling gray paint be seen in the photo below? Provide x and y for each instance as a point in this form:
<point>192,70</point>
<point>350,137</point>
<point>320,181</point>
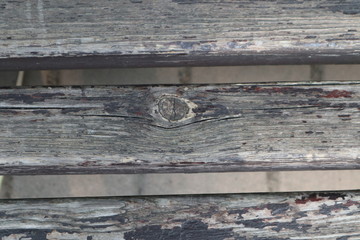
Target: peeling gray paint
<point>209,217</point>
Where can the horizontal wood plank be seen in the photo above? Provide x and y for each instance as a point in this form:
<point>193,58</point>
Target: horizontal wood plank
<point>86,34</point>
<point>187,129</point>
<point>212,217</point>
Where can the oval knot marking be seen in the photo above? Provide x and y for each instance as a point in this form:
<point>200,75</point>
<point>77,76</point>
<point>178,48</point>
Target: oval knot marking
<point>173,109</point>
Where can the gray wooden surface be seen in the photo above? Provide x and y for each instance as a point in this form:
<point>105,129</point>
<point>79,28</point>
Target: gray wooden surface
<point>211,217</point>
<point>180,129</point>
<point>79,34</point>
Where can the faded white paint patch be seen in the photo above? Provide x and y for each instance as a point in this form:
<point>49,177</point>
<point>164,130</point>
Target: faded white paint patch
<point>128,159</point>
<point>15,237</point>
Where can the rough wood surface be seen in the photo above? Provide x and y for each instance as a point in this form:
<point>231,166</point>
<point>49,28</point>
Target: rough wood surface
<point>212,217</point>
<point>81,33</point>
<point>180,129</point>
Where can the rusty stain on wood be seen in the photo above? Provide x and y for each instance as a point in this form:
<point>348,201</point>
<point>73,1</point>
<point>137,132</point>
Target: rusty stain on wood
<point>323,215</point>
<point>180,129</point>
<point>177,33</point>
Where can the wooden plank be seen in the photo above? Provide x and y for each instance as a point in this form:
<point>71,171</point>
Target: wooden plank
<point>180,129</point>
<point>213,217</point>
<point>86,34</point>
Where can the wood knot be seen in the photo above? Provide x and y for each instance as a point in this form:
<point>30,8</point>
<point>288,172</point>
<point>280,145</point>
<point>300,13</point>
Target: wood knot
<point>173,109</point>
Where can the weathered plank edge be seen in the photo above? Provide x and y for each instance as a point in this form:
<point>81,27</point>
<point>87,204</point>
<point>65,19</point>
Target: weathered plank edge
<point>180,60</point>
<point>158,169</point>
<point>214,217</point>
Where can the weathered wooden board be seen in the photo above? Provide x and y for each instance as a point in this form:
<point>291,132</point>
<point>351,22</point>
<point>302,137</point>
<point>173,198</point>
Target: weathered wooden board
<point>180,129</point>
<point>81,33</point>
<point>212,217</point>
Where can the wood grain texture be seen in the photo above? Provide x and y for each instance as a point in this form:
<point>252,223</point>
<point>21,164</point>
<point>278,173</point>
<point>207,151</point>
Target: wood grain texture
<point>82,34</point>
<point>212,217</point>
<point>187,129</point>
